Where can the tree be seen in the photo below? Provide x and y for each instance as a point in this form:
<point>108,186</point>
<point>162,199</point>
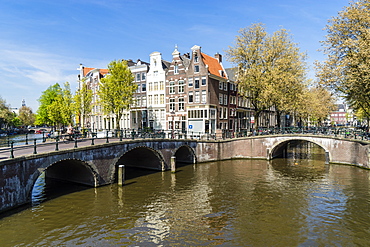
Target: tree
<point>315,104</point>
<point>55,106</point>
<point>116,90</point>
<point>346,70</point>
<point>270,68</point>
<point>82,102</point>
<point>26,116</point>
<point>5,114</point>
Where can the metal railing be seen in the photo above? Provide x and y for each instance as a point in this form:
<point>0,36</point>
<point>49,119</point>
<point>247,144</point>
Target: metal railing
<point>65,141</point>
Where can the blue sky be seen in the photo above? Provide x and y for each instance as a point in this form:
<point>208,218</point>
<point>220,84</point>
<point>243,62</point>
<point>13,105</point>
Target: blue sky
<point>42,42</point>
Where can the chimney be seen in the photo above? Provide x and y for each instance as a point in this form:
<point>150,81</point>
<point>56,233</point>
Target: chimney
<point>218,56</point>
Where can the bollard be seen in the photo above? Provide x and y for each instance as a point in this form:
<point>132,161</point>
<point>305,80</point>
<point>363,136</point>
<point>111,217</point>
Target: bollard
<point>107,141</point>
<point>121,175</point>
<point>26,138</point>
<point>92,140</point>
<point>11,150</point>
<point>34,147</point>
<point>173,163</point>
<point>75,143</point>
<point>120,135</point>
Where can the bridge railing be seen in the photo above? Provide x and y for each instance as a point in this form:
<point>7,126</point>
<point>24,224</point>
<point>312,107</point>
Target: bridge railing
<point>56,142</point>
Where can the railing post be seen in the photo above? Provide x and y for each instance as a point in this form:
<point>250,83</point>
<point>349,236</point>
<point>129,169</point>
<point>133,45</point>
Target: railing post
<point>120,135</point>
<point>11,150</point>
<point>43,137</point>
<point>107,141</point>
<point>26,138</point>
<point>34,146</point>
<point>56,143</point>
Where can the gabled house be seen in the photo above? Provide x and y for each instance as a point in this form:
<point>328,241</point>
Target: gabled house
<point>208,94</point>
<point>176,95</point>
<point>155,90</point>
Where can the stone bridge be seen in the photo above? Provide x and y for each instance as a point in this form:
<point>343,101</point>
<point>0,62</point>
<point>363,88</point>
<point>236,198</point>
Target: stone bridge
<point>97,165</point>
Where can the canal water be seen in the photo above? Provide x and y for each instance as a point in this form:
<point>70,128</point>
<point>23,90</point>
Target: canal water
<point>295,201</point>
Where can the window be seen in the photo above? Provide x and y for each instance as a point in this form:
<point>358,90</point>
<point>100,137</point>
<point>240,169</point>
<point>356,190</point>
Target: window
<point>196,68</point>
<point>176,71</point>
<point>156,99</point>
<point>197,97</point>
<point>181,104</point>
<point>143,87</point>
<point>225,113</point>
<point>138,101</point>
<point>190,97</point>
<point>172,104</point>
<point>196,83</point>
<point>172,87</point>
<point>220,85</point>
<point>155,73</point>
<point>161,99</point>
<point>143,76</point>
<point>196,58</point>
<point>161,85</point>
<point>163,115</point>
<point>204,96</point>
<point>144,101</point>
<point>204,81</point>
<point>150,86</point>
<point>150,99</point>
<point>190,82</point>
<point>225,86</point>
<point>181,86</point>
<point>155,86</point>
<point>220,98</point>
<point>225,99</point>
<point>138,88</point>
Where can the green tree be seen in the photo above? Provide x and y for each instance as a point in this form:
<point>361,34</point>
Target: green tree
<point>82,102</point>
<point>346,70</point>
<point>26,116</point>
<point>5,113</point>
<point>270,69</point>
<point>55,106</point>
<point>116,90</point>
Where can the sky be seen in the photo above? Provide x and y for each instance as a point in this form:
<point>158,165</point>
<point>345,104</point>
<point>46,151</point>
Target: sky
<point>42,42</point>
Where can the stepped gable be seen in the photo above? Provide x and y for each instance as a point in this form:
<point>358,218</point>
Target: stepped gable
<point>214,67</point>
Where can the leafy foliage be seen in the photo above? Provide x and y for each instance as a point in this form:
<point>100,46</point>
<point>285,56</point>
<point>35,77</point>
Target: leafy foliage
<point>82,102</point>
<point>116,90</point>
<point>270,68</point>
<point>346,70</point>
<point>55,106</point>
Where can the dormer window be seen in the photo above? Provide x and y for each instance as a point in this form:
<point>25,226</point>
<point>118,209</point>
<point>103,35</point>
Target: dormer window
<point>196,58</point>
<point>222,74</point>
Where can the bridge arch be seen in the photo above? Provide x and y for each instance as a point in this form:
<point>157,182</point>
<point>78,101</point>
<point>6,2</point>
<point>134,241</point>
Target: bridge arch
<point>276,149</point>
<point>142,157</point>
<point>185,154</point>
<point>69,170</point>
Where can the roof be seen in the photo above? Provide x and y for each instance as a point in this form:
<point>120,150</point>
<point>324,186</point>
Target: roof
<point>101,71</point>
<point>214,66</point>
<point>231,73</point>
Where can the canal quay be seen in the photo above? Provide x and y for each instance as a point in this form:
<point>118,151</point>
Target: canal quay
<point>284,197</point>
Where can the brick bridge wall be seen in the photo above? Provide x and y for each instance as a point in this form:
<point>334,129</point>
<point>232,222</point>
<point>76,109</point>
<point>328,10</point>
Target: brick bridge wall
<point>19,175</point>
